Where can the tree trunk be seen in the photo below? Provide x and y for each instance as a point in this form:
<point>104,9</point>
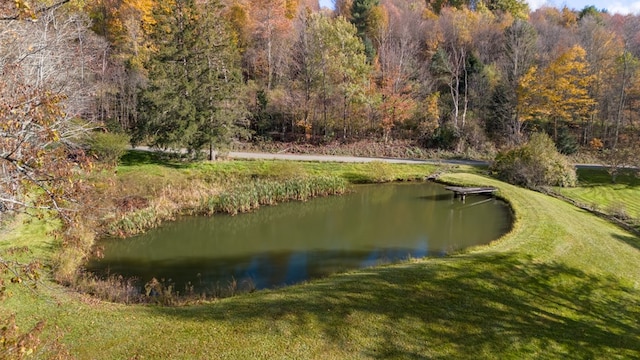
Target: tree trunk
<point>212,153</point>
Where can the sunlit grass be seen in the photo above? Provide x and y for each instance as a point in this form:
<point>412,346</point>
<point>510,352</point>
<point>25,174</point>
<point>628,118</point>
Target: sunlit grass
<point>563,284</point>
<point>30,232</point>
<point>158,169</point>
<point>597,191</point>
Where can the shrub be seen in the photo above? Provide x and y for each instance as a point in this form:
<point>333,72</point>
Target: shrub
<point>445,137</point>
<point>537,163</point>
<point>108,147</point>
<point>567,144</point>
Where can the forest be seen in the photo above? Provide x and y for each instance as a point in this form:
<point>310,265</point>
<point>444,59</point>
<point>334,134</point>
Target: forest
<point>201,74</point>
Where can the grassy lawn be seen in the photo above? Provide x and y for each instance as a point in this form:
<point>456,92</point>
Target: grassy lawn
<point>563,284</point>
<point>598,192</point>
<point>141,162</point>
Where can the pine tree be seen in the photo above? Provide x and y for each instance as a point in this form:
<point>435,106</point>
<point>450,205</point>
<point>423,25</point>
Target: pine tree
<point>362,16</point>
<point>191,100</point>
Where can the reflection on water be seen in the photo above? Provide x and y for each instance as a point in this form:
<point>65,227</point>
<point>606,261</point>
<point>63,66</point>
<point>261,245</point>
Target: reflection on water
<point>294,242</point>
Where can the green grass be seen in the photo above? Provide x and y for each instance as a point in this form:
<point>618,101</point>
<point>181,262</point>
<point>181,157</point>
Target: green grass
<point>596,191</point>
<point>32,233</point>
<point>563,284</point>
<point>138,162</point>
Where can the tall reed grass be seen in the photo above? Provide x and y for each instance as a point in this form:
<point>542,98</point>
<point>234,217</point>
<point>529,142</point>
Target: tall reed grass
<point>250,196</point>
<point>237,198</point>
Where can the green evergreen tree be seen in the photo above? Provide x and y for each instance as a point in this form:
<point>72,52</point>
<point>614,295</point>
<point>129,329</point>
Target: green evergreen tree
<point>361,11</point>
<point>519,9</point>
<point>192,96</point>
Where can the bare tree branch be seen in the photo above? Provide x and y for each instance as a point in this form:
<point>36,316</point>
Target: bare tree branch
<point>41,10</point>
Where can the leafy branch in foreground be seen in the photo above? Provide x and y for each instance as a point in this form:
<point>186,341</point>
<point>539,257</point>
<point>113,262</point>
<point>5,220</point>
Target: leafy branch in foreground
<point>35,165</point>
<point>14,344</point>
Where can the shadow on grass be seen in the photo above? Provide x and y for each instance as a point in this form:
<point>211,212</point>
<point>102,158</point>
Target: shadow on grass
<point>589,177</point>
<point>358,178</point>
<point>630,240</point>
<point>140,157</point>
<point>480,306</point>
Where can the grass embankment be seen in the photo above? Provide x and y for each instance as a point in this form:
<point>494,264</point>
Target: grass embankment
<point>596,191</point>
<point>562,284</point>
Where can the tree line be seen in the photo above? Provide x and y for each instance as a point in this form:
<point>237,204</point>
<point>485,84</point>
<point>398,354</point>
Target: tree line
<point>451,74</point>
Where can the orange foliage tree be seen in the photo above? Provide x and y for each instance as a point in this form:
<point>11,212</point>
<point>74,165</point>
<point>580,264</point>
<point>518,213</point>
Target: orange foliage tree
<point>270,25</point>
<point>397,107</point>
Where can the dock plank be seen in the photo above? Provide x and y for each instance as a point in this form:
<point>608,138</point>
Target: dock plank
<point>462,192</point>
<point>471,190</point>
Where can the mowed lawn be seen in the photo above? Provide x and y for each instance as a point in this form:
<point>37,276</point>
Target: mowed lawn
<point>562,284</point>
<point>596,190</point>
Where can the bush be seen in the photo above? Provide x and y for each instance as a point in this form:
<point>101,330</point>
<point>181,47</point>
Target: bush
<point>567,144</point>
<point>108,147</point>
<point>537,163</point>
<point>445,137</point>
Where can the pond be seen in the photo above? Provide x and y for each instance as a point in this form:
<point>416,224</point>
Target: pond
<point>293,242</point>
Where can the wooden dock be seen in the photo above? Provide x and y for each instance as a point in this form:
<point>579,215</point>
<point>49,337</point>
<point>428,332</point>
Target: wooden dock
<point>462,192</point>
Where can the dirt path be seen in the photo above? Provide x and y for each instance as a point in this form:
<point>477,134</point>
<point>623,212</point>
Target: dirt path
<point>352,159</point>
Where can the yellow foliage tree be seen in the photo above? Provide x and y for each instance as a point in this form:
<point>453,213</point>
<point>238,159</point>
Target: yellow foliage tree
<point>560,92</point>
<point>126,23</point>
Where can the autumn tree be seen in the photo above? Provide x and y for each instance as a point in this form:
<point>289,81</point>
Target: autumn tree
<point>560,92</point>
<point>605,55</point>
<point>123,23</point>
<point>237,13</point>
<point>192,98</point>
<point>305,68</point>
<point>401,37</point>
<point>343,8</point>
<point>27,9</point>
<point>449,64</point>
<point>48,69</point>
<point>624,77</point>
<point>58,51</point>
<point>397,107</point>
<point>126,25</point>
<point>33,161</point>
<point>330,70</point>
<point>519,48</point>
<point>270,26</point>
<point>399,65</point>
<point>553,36</point>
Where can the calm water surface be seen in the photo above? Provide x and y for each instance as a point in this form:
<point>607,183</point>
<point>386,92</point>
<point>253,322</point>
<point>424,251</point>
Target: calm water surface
<point>294,242</point>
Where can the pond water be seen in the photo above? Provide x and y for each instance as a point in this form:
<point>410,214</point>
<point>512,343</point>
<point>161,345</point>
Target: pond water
<point>293,242</point>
